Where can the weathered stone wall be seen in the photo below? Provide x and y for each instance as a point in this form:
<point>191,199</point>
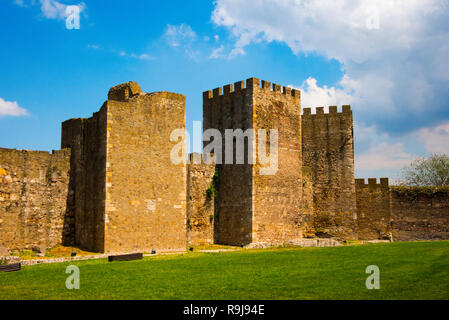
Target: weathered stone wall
<point>114,188</point>
<point>145,191</point>
<point>307,212</point>
<point>231,107</point>
<point>251,207</point>
<point>373,209</point>
<point>126,193</point>
<point>201,195</point>
<point>33,195</point>
<point>420,213</point>
<point>87,140</point>
<point>277,196</point>
<point>328,149</point>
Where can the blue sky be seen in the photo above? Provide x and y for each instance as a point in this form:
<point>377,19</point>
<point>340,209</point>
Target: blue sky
<point>389,61</point>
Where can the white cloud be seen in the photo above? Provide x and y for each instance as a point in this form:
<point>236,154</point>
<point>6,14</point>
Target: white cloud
<point>384,156</point>
<point>8,108</point>
<point>217,53</point>
<point>94,46</point>
<point>142,56</point>
<point>313,95</point>
<point>396,72</point>
<point>181,35</point>
<point>435,140</point>
<point>50,9</point>
<point>53,9</point>
<point>25,3</point>
<point>335,28</point>
<point>20,3</point>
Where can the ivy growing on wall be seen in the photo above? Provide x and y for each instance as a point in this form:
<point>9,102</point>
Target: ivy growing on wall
<point>411,193</point>
<point>211,192</point>
<point>189,225</point>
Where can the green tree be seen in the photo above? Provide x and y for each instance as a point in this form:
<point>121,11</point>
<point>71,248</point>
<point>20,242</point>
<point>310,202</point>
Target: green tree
<point>431,171</point>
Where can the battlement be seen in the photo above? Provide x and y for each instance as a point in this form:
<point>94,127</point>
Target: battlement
<point>346,109</point>
<point>63,151</point>
<point>372,183</point>
<point>250,83</point>
<point>112,187</point>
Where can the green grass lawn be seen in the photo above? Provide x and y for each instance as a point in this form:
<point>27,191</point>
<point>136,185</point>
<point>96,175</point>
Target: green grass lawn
<point>413,270</point>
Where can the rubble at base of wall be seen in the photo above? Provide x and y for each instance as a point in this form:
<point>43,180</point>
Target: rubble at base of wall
<point>58,260</point>
<point>298,242</point>
<point>32,262</point>
<point>375,241</point>
<point>9,259</point>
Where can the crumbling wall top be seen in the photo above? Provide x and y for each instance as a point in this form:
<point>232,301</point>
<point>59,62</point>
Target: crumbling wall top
<point>124,91</point>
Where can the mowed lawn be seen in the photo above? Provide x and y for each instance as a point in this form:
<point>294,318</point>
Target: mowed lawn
<point>413,270</point>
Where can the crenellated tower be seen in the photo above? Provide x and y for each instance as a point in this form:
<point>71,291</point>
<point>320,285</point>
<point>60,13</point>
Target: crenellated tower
<point>252,207</point>
<point>328,150</point>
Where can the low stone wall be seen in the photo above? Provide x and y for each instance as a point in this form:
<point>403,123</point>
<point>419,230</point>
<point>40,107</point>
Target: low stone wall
<point>373,209</point>
<point>33,196</point>
<point>300,242</point>
<point>201,194</point>
<point>420,213</point>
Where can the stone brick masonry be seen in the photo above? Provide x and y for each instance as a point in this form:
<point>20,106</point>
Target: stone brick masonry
<point>328,149</point>
<point>113,187</point>
<point>129,196</point>
<point>33,196</point>
<point>87,140</point>
<point>252,207</point>
<point>145,191</point>
<point>420,213</point>
<point>201,196</point>
<point>405,213</point>
<point>373,209</point>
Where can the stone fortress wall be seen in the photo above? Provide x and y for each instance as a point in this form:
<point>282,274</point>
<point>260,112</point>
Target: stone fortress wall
<point>113,187</point>
<point>328,149</point>
<point>401,212</point>
<point>231,107</point>
<point>33,199</point>
<point>252,207</point>
<point>373,208</point>
<point>201,198</point>
<point>129,196</point>
<point>420,213</point>
<point>87,140</point>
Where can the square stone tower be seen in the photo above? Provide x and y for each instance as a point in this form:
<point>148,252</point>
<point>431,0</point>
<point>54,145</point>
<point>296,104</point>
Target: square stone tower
<point>126,194</point>
<point>251,207</point>
<point>328,150</point>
